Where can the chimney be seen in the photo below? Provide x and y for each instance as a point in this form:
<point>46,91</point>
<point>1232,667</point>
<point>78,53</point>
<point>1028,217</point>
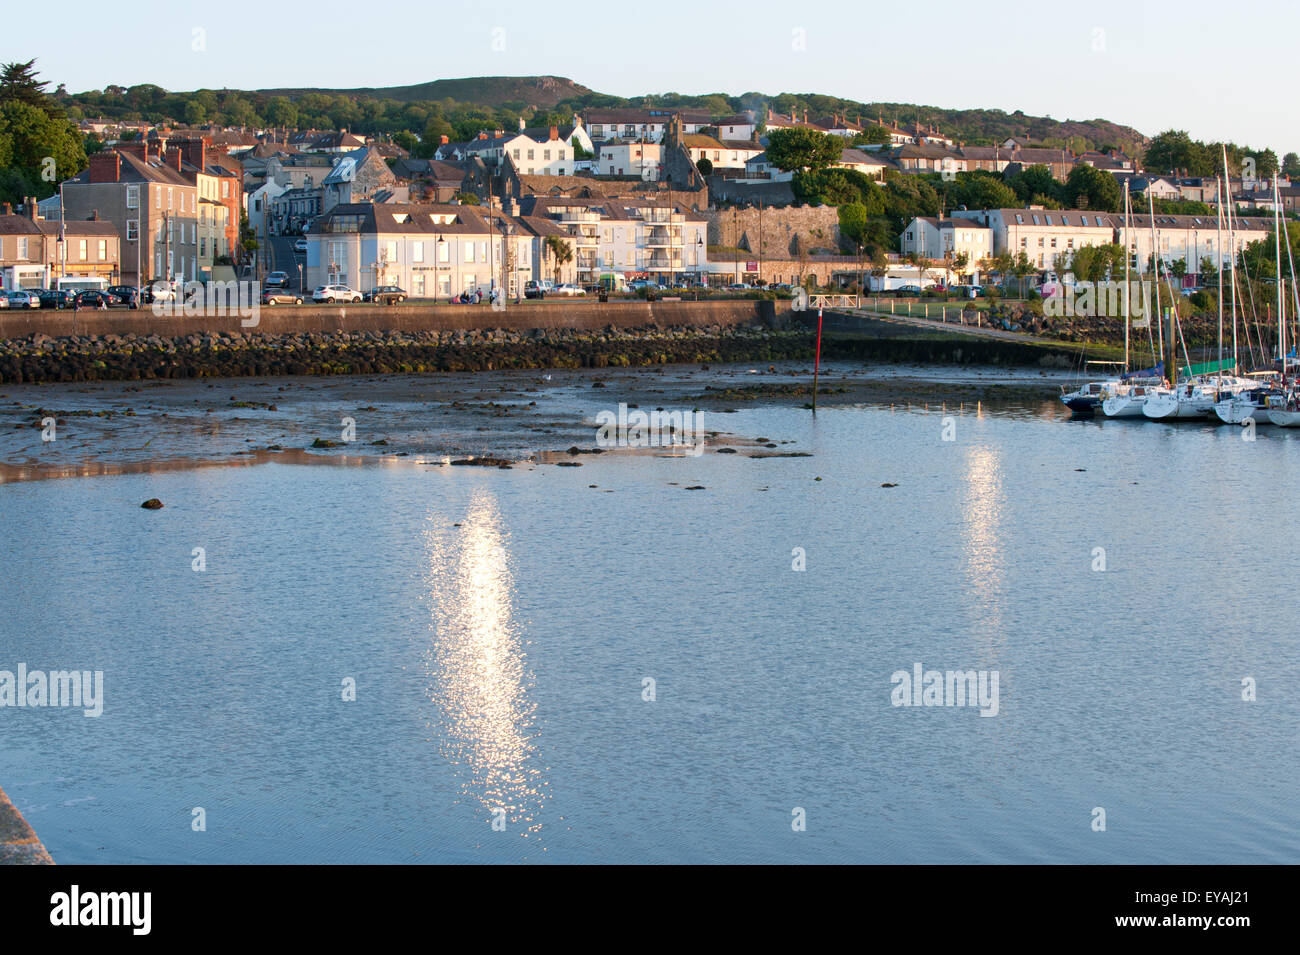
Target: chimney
<point>443,140</point>
<point>482,136</point>
<point>521,124</point>
<point>6,209</point>
<point>555,133</point>
<point>29,208</point>
<point>105,166</point>
<point>174,158</point>
<point>138,148</point>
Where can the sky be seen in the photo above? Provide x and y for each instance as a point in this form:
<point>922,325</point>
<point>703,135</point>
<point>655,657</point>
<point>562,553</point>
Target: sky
<point>1217,70</point>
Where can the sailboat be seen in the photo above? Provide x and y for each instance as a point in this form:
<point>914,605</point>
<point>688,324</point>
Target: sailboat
<point>1124,398</point>
<point>1198,387</point>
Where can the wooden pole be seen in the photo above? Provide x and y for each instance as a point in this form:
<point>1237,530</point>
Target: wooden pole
<point>817,359</point>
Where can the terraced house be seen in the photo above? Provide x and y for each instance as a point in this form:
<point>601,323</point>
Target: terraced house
<point>431,251</point>
<point>153,206</point>
<point>32,255</point>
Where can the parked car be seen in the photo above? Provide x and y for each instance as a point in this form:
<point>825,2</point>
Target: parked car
<point>300,246</point>
<point>534,289</point>
<point>971,291</point>
<point>4,300</point>
<point>127,295</point>
<point>272,296</point>
<point>23,299</point>
<point>569,288</point>
<point>386,295</point>
<point>335,293</point>
<point>56,298</point>
<point>904,291</point>
<point>92,298</point>
<point>738,287</point>
<point>277,280</point>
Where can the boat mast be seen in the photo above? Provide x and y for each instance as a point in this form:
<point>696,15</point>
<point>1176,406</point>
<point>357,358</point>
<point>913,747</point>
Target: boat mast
<point>1155,270</point>
<point>1232,251</point>
<point>1277,251</point>
<point>1127,289</point>
<point>1218,226</point>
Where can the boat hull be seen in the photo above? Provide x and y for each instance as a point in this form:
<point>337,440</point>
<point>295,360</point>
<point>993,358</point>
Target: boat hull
<point>1173,408</point>
<point>1284,419</point>
<point>1123,406</point>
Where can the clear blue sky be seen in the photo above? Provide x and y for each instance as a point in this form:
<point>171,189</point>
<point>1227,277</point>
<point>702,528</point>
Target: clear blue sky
<point>1151,66</point>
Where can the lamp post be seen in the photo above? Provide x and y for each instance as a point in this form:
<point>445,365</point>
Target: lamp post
<point>437,266</point>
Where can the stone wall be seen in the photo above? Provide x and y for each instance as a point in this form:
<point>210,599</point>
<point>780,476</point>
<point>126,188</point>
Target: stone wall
<point>782,229</point>
<point>325,319</point>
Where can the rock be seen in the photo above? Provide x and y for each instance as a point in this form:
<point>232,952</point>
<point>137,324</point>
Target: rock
<point>324,443</point>
<point>696,487</point>
<point>725,451</point>
<point>887,484</point>
<point>153,504</point>
<point>567,464</point>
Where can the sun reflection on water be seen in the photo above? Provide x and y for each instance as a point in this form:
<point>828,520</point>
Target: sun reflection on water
<point>478,677</point>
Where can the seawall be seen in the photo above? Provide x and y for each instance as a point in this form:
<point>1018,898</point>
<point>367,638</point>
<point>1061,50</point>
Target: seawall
<point>18,843</point>
<point>329,319</point>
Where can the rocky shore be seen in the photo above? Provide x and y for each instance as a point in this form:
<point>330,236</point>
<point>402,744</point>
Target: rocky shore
<point>38,359</point>
<point>41,358</point>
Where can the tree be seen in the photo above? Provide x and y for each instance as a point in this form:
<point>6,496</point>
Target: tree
<point>978,190</point>
<point>1035,182</point>
<point>1291,165</point>
<point>560,251</point>
<point>1088,187</point>
<point>466,198</point>
<point>800,148</point>
<point>704,166</point>
<point>18,84</point>
<point>853,223</point>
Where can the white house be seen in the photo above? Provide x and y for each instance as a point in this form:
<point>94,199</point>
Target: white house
<point>945,240</point>
<point>431,251</point>
<point>629,159</point>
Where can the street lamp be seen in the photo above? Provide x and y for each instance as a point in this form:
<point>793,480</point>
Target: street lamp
<point>437,267</point>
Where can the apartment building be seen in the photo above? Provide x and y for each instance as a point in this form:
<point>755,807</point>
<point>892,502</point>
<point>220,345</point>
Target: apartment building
<point>1043,235</point>
<point>629,238</point>
<point>153,206</point>
<point>431,251</point>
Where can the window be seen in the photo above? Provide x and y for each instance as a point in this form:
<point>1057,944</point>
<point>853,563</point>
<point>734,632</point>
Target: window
<point>81,249</point>
<point>417,252</point>
<point>546,155</point>
<point>103,249</point>
<point>169,198</point>
<point>157,204</point>
<point>390,251</point>
<point>444,253</point>
<point>516,152</point>
<point>133,197</point>
<point>561,154</point>
<point>1040,241</point>
<point>530,154</point>
<point>1053,241</point>
<point>225,188</point>
<point>22,247</point>
<point>203,246</point>
<point>132,230</point>
<point>469,251</point>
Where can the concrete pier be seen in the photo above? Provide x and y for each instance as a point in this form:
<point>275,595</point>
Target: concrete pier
<point>18,843</point>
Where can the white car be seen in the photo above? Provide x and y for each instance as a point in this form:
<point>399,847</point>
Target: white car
<point>21,299</point>
<point>335,293</point>
<point>163,292</point>
<point>568,289</point>
<point>300,246</point>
